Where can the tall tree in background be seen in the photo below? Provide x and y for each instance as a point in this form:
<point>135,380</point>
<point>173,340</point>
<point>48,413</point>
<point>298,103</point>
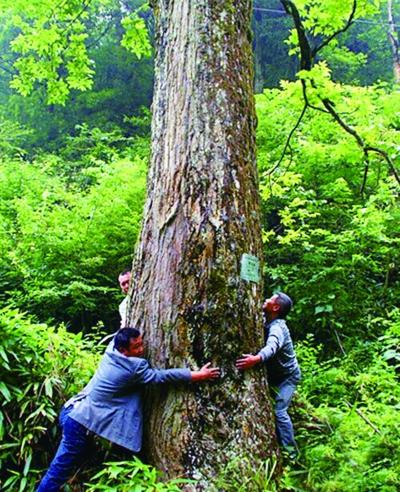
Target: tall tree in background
<point>201,216</point>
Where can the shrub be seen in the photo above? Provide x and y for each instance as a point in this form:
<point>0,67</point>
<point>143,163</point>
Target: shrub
<point>40,367</point>
<point>132,476</point>
<point>346,415</point>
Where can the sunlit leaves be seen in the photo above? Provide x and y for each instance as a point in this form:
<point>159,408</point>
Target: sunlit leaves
<point>326,26</point>
<point>325,17</point>
<point>136,38</point>
<point>322,86</point>
<point>52,52</point>
<point>326,244</point>
<point>52,43</point>
<point>347,417</point>
<point>132,475</point>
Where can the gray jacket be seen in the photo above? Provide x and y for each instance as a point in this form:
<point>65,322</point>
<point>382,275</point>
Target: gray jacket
<point>111,403</point>
<point>278,353</point>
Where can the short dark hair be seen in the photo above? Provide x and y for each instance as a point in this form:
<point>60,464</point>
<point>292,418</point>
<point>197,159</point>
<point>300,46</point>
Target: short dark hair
<point>124,336</point>
<point>285,304</point>
<point>124,272</point>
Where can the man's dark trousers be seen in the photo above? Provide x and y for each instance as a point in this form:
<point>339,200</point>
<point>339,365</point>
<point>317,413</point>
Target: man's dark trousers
<point>283,395</point>
<point>73,447</point>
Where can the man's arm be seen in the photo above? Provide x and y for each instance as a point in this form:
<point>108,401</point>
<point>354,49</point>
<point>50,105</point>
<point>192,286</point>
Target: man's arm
<point>206,373</point>
<point>274,343</point>
<point>147,375</point>
<point>247,361</point>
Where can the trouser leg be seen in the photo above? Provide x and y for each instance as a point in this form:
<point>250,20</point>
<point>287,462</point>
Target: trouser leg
<point>71,450</point>
<point>284,426</point>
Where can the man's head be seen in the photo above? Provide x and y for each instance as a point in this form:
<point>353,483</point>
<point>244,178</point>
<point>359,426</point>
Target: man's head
<point>124,280</point>
<point>129,342</point>
<point>278,306</point>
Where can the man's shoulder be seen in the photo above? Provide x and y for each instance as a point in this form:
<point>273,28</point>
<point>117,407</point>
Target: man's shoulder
<point>115,358</point>
<point>278,324</point>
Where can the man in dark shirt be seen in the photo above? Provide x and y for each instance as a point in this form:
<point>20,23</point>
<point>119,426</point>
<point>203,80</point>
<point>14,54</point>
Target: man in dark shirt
<point>282,366</point>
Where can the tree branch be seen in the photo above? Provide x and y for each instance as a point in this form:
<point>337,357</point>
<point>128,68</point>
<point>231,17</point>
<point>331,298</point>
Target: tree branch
<point>306,63</point>
<point>305,96</point>
<point>335,115</point>
<point>287,144</point>
<point>304,44</point>
<point>6,69</point>
<point>101,35</point>
<point>387,159</point>
<point>78,15</point>
<point>366,169</point>
<point>340,31</point>
<point>366,419</point>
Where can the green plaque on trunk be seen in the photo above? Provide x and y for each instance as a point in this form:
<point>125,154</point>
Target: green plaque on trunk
<point>250,268</point>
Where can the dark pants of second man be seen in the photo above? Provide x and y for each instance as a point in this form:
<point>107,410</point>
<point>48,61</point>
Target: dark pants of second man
<point>283,396</point>
<point>73,448</point>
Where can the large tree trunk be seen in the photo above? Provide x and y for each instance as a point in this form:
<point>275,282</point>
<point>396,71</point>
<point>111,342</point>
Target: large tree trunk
<point>202,214</point>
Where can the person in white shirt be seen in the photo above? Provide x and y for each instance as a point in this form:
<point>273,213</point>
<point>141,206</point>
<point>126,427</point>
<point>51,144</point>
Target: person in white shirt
<point>124,279</point>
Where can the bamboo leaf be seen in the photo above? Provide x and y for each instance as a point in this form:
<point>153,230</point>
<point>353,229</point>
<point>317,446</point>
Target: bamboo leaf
<point>5,391</point>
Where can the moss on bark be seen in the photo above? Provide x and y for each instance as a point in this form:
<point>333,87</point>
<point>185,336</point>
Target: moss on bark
<point>202,214</point>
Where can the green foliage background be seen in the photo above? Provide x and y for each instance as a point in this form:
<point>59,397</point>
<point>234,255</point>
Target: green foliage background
<point>68,229</point>
<point>40,367</point>
<point>336,251</point>
<point>72,185</point>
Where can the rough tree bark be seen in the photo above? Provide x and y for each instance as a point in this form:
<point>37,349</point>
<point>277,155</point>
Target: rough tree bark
<point>201,215</point>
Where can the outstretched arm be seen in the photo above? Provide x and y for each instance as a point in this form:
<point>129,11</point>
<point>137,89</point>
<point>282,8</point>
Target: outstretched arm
<point>206,373</point>
<point>247,361</point>
<point>274,343</point>
<point>145,374</point>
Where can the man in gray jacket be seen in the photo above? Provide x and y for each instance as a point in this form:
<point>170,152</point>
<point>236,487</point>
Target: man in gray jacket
<point>111,404</point>
<point>282,367</point>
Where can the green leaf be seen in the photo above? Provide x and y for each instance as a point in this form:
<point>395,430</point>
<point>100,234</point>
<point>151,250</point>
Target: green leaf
<point>2,426</point>
<point>48,387</point>
<point>5,391</point>
<point>27,465</point>
<point>323,309</point>
<point>136,37</point>
<point>3,354</point>
<point>22,484</point>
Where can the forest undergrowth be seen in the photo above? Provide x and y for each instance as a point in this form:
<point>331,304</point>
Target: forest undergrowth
<point>68,226</point>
